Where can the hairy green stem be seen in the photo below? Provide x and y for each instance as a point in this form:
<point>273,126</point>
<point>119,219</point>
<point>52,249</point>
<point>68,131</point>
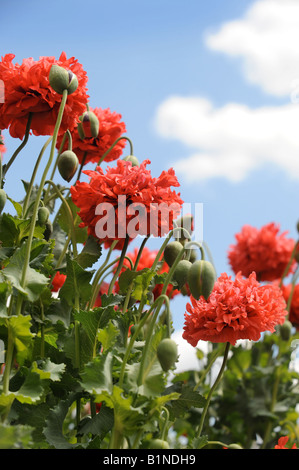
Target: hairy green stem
<point>37,201</point>
<point>21,146</point>
<point>212,389</point>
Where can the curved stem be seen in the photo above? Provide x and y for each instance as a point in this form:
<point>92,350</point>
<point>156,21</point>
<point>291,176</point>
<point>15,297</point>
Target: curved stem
<point>113,145</point>
<point>219,376</point>
<point>37,201</point>
<point>29,189</point>
<point>120,264</point>
<point>21,146</point>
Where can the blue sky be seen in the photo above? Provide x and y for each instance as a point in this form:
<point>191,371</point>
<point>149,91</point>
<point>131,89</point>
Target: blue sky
<point>163,65</point>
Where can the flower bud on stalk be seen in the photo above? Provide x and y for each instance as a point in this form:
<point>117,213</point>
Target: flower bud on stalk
<point>201,279</point>
<point>43,215</point>
<point>158,444</point>
<point>132,159</point>
<point>285,330</point>
<point>88,126</point>
<point>167,353</point>
<point>62,79</point>
<point>180,274</point>
<point>67,164</point>
<point>3,199</point>
<point>171,252</point>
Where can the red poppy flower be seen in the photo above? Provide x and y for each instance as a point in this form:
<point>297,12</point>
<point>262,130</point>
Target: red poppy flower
<point>109,201</point>
<point>263,251</point>
<point>236,309</point>
<point>282,441</point>
<point>110,129</point>
<point>58,281</point>
<point>294,307</point>
<point>27,90</point>
<point>146,260</point>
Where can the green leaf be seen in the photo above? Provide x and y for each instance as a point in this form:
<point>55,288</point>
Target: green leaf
<point>63,221</point>
<point>108,336</point>
<point>127,419</point>
<point>53,431</point>
<point>189,398</point>
<point>15,437</point>
<point>17,206</point>
<point>96,377</point>
<point>20,330</point>
<point>99,425</point>
<point>35,282</point>
<point>91,252</point>
<point>48,370</point>
<point>77,282</point>
<point>141,281</point>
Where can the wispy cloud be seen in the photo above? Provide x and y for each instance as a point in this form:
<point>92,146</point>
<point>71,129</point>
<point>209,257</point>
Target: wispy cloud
<point>266,39</point>
<point>233,140</point>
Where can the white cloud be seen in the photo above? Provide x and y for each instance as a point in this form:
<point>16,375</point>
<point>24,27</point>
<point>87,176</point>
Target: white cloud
<point>266,39</point>
<point>230,141</point>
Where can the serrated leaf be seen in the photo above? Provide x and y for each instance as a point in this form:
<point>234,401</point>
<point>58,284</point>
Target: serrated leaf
<point>141,281</point>
<point>35,281</point>
<point>53,430</point>
<point>90,253</point>
<point>99,425</point>
<point>96,377</point>
<point>48,370</point>
<point>63,221</point>
<point>77,282</point>
<point>189,398</point>
<point>108,336</point>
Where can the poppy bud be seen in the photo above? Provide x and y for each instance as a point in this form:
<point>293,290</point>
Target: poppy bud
<point>171,252</point>
<point>89,125</point>
<point>185,222</point>
<point>61,79</point>
<point>167,353</point>
<point>3,198</point>
<point>285,330</point>
<point>43,215</point>
<point>158,444</point>
<point>234,446</point>
<point>132,159</point>
<point>201,279</point>
<point>180,274</point>
<point>67,164</point>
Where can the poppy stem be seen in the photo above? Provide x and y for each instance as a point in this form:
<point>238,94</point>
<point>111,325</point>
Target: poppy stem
<point>214,386</point>
<point>21,146</point>
<point>37,201</point>
<point>120,264</point>
<point>113,145</point>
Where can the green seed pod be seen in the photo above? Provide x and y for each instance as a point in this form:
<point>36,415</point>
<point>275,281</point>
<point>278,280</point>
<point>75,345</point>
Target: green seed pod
<point>132,159</point>
<point>3,199</point>
<point>167,352</point>
<point>43,215</point>
<point>180,274</point>
<point>234,446</point>
<point>201,279</point>
<point>158,444</point>
<point>285,330</point>
<point>171,252</point>
<point>67,164</point>
<point>61,79</point>
<point>89,125</point>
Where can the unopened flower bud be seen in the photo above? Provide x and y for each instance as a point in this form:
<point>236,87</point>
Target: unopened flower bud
<point>158,444</point>
<point>234,446</point>
<point>67,164</point>
<point>181,271</point>
<point>132,159</point>
<point>171,251</point>
<point>43,215</point>
<point>167,353</point>
<point>89,125</point>
<point>201,279</point>
<point>3,199</point>
<point>62,79</point>
<point>285,330</point>
<point>48,230</point>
